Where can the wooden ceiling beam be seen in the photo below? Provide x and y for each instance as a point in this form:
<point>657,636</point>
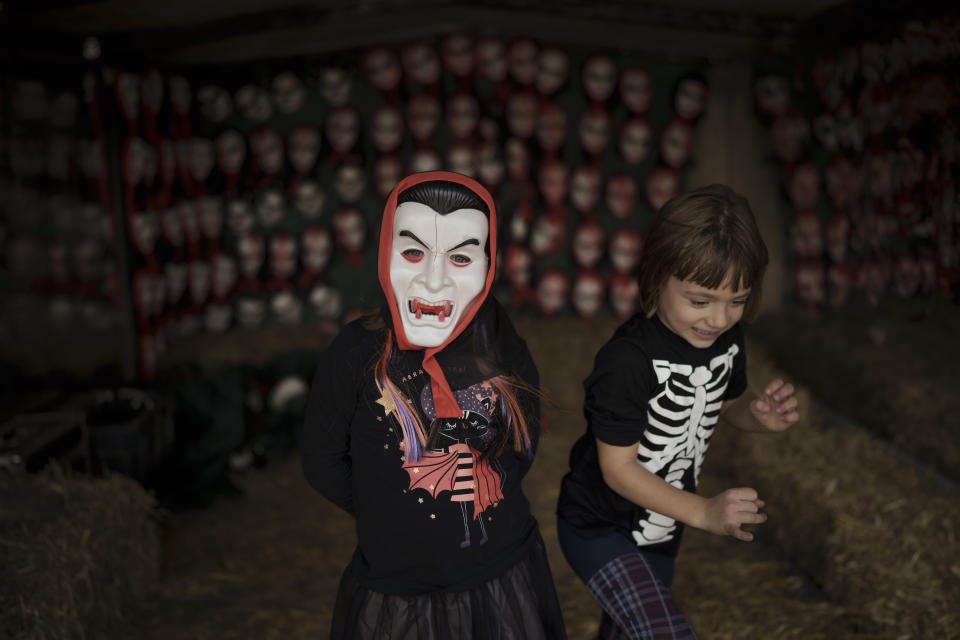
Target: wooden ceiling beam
<point>410,24</point>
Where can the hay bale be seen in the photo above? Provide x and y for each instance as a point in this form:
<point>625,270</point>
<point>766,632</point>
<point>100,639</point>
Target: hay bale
<point>876,532</point>
<point>883,367</point>
<point>730,590</point>
<point>76,551</point>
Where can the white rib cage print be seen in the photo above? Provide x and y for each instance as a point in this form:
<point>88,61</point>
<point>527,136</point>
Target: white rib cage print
<point>681,415</point>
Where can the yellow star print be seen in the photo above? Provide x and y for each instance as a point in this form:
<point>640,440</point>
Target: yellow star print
<point>387,403</point>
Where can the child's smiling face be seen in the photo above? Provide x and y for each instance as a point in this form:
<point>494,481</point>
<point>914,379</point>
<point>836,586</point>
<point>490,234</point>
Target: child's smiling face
<point>698,314</point>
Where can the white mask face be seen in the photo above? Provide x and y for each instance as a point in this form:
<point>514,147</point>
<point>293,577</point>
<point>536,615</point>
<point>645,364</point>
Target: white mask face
<point>587,295</point>
<point>423,116</point>
<point>424,160</point>
<point>215,103</point>
<point>662,184</point>
<point>585,188</point>
<point>491,59</point>
<point>288,93</point>
<point>239,216</point>
<point>336,86</point>
<point>231,152</point>
<point>599,77</point>
<point>517,157</point>
<point>636,89</point>
<point>386,173</point>
<point>317,247</point>
<point>676,144</point>
<point>309,198</point>
<point>283,256</point>
<point>386,129</point>
<point>202,158</point>
<point>522,61</point>
<point>624,291</point>
<point>270,208</point>
<point>342,128</point>
<point>350,183</point>
<point>420,63</point>
<point>457,50</point>
<point>253,103</point>
<point>350,229</point>
<point>551,127</point>
<point>438,266</point>
<point>460,159</point>
<point>303,147</point>
<point>382,68</point>
<point>552,180</point>
<point>522,114</point>
<point>552,292</point>
<point>625,250</point>
<point>326,301</point>
<point>594,130</point>
<point>267,150</point>
<point>621,195</point>
<point>690,98</point>
<point>635,139</point>
<point>490,167</point>
<point>517,267</point>
<point>462,115</point>
<point>551,71</point>
<point>588,245</point>
<point>224,275</point>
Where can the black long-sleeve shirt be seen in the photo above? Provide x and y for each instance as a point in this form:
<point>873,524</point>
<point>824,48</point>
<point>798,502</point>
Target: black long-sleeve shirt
<point>456,517</point>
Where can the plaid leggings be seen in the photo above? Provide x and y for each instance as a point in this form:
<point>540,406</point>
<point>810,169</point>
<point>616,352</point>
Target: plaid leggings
<point>632,588</point>
<point>635,603</point>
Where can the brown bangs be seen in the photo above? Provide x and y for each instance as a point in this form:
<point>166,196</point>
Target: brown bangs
<point>702,236</point>
<point>709,267</point>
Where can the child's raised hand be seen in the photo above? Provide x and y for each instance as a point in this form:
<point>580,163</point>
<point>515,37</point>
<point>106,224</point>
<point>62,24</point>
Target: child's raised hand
<point>726,512</point>
<point>776,410</point>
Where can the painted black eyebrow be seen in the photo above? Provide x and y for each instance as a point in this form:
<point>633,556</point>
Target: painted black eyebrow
<point>465,243</point>
<point>411,234</point>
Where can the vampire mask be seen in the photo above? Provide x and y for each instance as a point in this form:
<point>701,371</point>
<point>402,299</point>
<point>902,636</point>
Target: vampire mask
<point>436,258</point>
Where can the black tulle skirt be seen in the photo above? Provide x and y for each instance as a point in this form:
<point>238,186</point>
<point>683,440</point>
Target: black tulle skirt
<point>520,604</point>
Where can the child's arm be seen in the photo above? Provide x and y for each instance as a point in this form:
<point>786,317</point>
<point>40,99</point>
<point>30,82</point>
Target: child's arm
<point>774,412</point>
<point>722,514</point>
<point>325,436</point>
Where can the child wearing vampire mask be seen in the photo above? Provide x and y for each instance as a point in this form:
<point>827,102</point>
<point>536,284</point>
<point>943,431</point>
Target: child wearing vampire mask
<point>422,420</point>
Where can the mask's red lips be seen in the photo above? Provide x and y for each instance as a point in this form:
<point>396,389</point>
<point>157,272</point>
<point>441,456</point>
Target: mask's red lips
<point>419,307</point>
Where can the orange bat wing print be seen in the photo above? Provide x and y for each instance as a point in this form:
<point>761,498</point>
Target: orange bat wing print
<point>435,471</point>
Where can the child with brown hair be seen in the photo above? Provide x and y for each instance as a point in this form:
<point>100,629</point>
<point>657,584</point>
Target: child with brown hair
<point>656,392</point>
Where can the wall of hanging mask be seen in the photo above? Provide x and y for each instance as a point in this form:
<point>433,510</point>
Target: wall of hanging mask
<point>251,197</point>
<point>865,138</point>
<point>57,230</point>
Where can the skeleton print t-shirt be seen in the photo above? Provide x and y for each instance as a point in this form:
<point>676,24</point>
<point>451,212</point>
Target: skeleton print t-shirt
<point>651,389</point>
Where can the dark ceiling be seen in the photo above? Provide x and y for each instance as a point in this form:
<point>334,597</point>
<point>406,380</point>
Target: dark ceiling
<point>187,32</point>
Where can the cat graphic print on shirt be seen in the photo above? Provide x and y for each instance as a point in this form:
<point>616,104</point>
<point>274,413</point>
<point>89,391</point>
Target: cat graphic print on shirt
<point>456,464</point>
